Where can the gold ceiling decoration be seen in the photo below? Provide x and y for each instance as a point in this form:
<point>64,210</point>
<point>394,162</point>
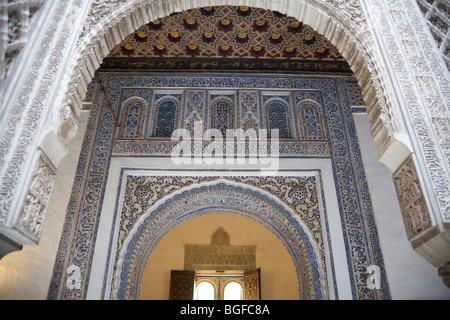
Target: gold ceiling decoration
<point>226,33</point>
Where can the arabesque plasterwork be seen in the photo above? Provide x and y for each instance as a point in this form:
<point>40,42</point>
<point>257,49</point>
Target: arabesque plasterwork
<point>403,78</point>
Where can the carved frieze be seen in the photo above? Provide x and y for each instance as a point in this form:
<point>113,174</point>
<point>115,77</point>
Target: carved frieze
<point>23,119</point>
<point>424,87</point>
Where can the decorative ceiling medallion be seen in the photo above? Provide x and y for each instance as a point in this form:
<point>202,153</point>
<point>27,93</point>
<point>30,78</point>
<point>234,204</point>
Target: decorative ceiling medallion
<point>295,26</point>
<point>208,37</point>
<point>159,49</point>
<point>174,37</point>
<point>275,38</point>
<point>192,49</point>
<point>309,39</point>
<point>224,50</point>
<point>225,24</point>
<point>260,25</point>
<point>207,11</point>
<point>190,24</point>
<point>321,52</point>
<point>289,52</point>
<point>243,11</point>
<point>257,51</point>
<point>140,36</point>
<point>155,24</point>
<point>127,49</point>
<point>242,37</point>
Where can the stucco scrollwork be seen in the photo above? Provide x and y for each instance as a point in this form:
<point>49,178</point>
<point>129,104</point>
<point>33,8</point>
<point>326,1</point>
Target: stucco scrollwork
<point>424,86</point>
<point>23,118</point>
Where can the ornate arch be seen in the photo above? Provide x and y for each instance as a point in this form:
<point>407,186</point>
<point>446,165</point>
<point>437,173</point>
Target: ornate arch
<point>106,23</point>
<point>164,121</point>
<point>277,110</point>
<point>219,196</point>
<point>313,125</point>
<point>222,114</point>
<point>343,23</point>
<point>408,112</point>
<point>403,79</point>
<point>132,119</point>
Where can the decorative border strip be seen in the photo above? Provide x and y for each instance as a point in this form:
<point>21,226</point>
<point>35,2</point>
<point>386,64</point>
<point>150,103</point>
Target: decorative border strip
<point>163,148</point>
<point>226,65</point>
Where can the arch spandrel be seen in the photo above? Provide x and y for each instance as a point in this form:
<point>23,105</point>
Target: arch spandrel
<point>206,198</point>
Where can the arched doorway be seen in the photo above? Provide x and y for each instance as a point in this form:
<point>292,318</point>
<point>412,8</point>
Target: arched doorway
<point>345,19</point>
<point>220,196</point>
<point>278,276</point>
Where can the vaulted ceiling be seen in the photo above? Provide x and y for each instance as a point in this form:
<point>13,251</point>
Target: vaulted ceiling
<point>227,38</point>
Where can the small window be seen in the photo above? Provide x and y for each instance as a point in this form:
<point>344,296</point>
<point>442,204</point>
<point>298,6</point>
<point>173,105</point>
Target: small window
<point>204,291</point>
<point>233,291</point>
<point>277,117</point>
<point>166,110</point>
<point>222,114</point>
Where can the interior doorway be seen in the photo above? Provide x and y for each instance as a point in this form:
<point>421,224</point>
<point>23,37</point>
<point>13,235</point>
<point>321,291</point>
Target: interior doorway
<point>278,279</point>
<point>215,285</point>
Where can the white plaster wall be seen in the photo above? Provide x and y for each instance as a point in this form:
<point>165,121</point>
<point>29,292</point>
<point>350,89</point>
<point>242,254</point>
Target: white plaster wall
<point>410,276</point>
<point>26,274</point>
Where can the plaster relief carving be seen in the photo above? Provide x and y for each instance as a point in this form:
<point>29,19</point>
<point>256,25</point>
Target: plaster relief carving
<point>23,119</point>
<point>219,195</point>
<point>412,202</point>
<point>38,197</point>
<point>219,255</point>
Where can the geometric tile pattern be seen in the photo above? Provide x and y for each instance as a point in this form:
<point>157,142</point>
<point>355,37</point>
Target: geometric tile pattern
<point>227,33</point>
<point>246,109</point>
<point>83,212</point>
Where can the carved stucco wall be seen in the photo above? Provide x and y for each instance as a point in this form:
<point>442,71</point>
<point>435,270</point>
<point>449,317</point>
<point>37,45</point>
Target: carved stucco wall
<point>437,13</point>
<point>403,76</point>
<point>37,70</point>
<point>16,22</point>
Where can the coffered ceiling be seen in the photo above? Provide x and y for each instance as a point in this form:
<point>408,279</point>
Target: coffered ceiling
<point>227,38</point>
